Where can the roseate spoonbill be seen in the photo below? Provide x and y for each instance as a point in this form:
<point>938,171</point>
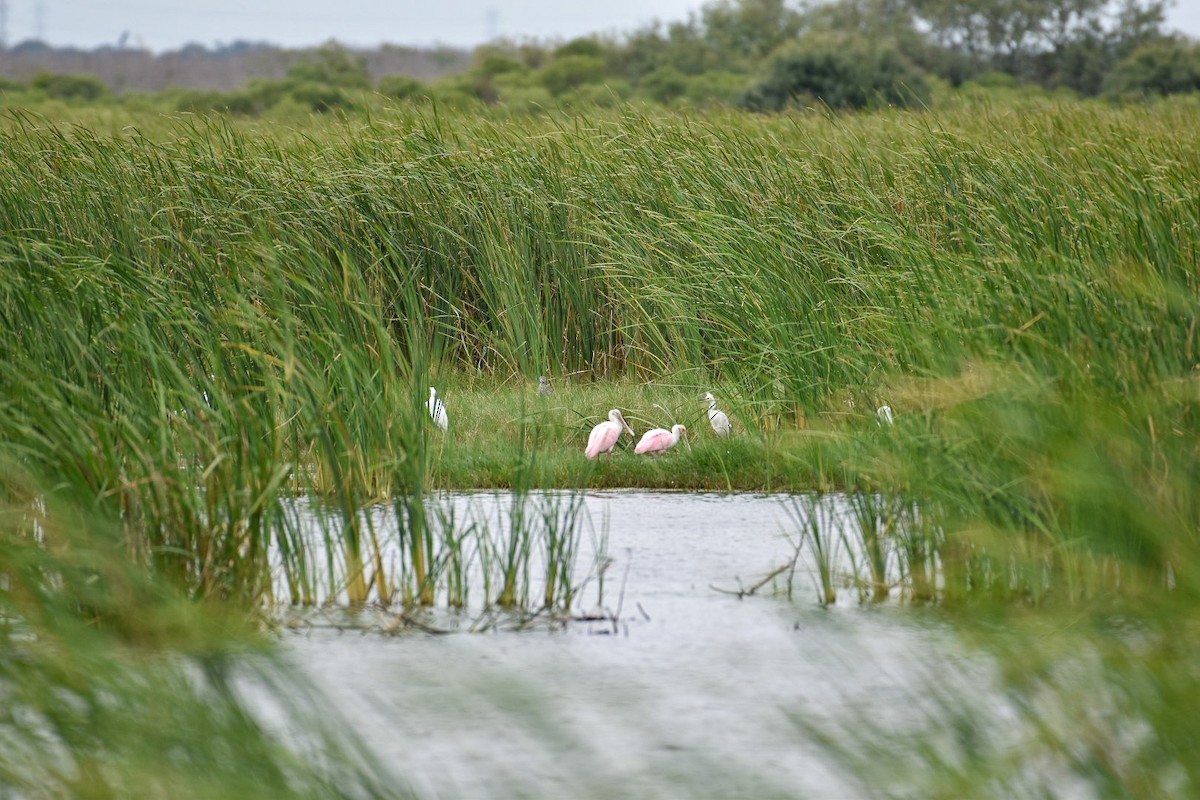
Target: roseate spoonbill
<point>718,418</point>
<point>437,410</point>
<point>658,440</point>
<point>544,386</point>
<point>884,414</point>
<point>605,435</point>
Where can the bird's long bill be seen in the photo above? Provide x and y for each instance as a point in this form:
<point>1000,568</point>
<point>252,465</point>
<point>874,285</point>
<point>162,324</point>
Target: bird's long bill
<point>686,440</point>
<point>625,424</point>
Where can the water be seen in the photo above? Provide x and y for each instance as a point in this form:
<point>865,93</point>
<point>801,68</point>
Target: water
<point>683,689</point>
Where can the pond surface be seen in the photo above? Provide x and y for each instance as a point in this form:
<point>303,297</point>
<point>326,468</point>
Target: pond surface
<point>692,691</point>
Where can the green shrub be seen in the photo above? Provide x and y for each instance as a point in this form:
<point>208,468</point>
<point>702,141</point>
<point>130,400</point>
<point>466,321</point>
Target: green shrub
<point>497,64</point>
<point>571,72</point>
<point>715,88</point>
<point>321,97</point>
<point>401,87</point>
<point>69,87</point>
<point>201,101</point>
<point>332,65</point>
<point>262,95</point>
<point>664,84</point>
<point>597,95</point>
<point>512,81</point>
<point>512,89</point>
<point>994,79</point>
<point>840,73</point>
<point>1162,67</point>
<point>580,47</point>
<point>526,98</point>
<point>454,92</point>
<point>197,100</point>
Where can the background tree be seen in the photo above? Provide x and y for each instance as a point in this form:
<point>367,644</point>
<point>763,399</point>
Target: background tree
<point>745,31</point>
<point>710,57</point>
<point>1159,67</point>
<point>332,65</point>
<point>1051,42</point>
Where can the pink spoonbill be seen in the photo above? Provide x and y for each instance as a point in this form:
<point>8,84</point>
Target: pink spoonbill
<point>659,440</point>
<point>605,435</point>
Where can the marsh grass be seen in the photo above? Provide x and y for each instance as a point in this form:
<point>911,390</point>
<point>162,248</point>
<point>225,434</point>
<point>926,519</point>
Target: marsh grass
<point>516,553</point>
<point>816,521</point>
<point>877,519</point>
<point>204,316</point>
<point>203,319</point>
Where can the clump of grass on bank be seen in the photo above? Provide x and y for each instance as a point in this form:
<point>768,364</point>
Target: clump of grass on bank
<point>493,429</point>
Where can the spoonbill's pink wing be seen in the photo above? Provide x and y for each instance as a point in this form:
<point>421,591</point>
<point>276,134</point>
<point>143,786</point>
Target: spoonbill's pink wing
<point>653,441</point>
<point>602,439</point>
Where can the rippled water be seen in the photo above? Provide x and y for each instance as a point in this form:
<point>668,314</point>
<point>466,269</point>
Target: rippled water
<point>692,692</point>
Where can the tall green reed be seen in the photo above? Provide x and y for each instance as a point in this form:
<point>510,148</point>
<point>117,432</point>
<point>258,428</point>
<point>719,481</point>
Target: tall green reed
<point>796,257</point>
<point>318,277</point>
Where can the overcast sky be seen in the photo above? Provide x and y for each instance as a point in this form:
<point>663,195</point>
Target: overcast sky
<point>169,24</point>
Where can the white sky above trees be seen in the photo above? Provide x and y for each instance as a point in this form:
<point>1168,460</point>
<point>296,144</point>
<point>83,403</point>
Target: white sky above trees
<point>169,24</point>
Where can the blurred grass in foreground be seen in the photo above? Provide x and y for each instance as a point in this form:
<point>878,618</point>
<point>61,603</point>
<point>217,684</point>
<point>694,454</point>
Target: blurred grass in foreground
<point>115,685</point>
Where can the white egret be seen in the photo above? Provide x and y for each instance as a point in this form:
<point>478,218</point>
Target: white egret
<point>437,410</point>
<point>719,419</point>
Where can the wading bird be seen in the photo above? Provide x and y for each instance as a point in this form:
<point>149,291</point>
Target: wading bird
<point>544,386</point>
<point>658,440</point>
<point>884,413</point>
<point>719,419</point>
<point>437,410</point>
<point>605,435</point>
